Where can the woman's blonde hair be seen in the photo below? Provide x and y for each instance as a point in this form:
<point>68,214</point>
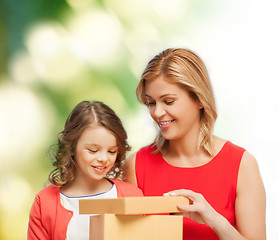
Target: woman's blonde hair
<point>183,67</point>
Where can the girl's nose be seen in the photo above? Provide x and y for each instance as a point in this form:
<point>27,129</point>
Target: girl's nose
<point>102,157</point>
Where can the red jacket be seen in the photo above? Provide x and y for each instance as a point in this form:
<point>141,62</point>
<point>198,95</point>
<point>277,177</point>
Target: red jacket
<point>49,219</point>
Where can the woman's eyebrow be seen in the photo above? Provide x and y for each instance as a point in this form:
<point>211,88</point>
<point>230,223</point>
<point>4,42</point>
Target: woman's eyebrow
<point>164,95</point>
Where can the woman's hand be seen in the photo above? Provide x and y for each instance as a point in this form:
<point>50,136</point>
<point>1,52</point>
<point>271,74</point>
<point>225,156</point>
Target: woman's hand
<point>199,209</point>
<point>202,212</point>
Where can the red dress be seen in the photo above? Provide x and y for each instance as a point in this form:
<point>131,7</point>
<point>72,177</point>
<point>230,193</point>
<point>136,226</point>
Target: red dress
<point>216,180</point>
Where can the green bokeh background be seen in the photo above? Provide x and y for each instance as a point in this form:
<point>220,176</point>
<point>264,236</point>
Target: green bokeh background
<point>56,53</point>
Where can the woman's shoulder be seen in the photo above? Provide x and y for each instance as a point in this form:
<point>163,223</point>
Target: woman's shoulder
<point>248,164</point>
<point>143,151</point>
<point>246,160</point>
<point>149,148</point>
<point>222,144</point>
<point>146,150</point>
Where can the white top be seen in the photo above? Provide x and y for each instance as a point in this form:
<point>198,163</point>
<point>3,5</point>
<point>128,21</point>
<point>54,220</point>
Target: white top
<point>78,228</point>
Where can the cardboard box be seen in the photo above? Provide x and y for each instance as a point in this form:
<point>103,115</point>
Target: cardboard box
<point>132,205</point>
<point>127,227</point>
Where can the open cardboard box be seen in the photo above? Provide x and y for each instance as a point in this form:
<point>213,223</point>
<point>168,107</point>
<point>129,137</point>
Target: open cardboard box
<point>125,219</point>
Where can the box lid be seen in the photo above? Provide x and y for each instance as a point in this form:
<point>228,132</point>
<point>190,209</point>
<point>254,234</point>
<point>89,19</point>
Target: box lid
<point>132,205</point>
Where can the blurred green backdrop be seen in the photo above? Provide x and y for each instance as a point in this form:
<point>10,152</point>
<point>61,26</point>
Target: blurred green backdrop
<point>55,53</point>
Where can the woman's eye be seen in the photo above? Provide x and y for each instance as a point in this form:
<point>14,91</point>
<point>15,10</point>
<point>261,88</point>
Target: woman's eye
<point>169,102</point>
<point>149,104</point>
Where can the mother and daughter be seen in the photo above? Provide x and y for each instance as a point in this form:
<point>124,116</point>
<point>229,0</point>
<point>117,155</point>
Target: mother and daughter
<point>222,180</point>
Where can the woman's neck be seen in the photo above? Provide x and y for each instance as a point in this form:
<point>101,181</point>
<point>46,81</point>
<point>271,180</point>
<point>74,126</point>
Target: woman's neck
<point>186,152</point>
<point>188,145</point>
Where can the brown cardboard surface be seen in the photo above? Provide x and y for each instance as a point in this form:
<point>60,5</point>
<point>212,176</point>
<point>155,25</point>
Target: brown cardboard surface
<point>127,227</point>
<point>132,205</point>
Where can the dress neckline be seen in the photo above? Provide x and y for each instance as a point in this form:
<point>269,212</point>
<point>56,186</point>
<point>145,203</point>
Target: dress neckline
<point>88,196</point>
<point>210,162</point>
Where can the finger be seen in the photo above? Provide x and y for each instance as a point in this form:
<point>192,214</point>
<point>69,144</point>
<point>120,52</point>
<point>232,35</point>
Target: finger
<point>179,192</point>
<point>191,195</point>
<point>186,208</point>
<point>184,214</point>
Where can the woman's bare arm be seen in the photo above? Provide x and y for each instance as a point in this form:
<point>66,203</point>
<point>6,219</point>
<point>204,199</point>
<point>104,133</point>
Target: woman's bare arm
<point>130,174</point>
<point>250,205</point>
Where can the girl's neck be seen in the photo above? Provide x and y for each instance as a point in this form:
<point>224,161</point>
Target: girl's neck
<point>79,187</point>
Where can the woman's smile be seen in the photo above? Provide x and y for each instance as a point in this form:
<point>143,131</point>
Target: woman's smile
<point>165,124</point>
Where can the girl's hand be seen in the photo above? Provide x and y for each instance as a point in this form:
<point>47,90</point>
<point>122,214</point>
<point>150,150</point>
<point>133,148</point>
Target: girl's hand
<point>199,209</point>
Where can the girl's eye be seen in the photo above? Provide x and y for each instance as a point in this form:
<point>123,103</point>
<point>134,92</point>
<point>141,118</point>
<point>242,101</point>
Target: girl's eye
<point>112,152</point>
<point>92,151</point>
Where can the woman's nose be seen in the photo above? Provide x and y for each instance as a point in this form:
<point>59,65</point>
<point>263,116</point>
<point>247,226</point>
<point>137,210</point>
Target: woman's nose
<point>159,111</point>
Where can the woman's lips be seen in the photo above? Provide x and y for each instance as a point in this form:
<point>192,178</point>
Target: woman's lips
<point>165,124</point>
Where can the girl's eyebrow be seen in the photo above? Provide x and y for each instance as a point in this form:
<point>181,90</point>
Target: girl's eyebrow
<point>91,144</point>
<point>115,146</point>
<point>97,145</point>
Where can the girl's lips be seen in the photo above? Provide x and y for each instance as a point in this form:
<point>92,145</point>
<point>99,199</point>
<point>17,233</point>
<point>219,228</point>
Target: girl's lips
<point>100,168</point>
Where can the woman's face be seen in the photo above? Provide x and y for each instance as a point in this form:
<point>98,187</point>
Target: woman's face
<point>171,107</point>
<point>95,153</point>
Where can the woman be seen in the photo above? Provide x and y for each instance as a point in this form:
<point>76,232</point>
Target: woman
<point>221,180</point>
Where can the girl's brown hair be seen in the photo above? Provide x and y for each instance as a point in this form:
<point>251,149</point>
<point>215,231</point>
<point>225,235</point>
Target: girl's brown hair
<point>183,67</point>
<point>84,114</point>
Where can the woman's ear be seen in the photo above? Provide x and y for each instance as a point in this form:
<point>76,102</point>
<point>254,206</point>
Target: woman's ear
<point>200,106</point>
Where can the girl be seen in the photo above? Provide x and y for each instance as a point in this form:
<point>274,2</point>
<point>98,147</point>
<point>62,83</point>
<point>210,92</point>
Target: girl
<point>221,180</point>
<point>90,155</point>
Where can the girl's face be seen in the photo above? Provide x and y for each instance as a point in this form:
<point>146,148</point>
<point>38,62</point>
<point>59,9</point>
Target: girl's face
<point>95,153</point>
<point>171,107</point>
